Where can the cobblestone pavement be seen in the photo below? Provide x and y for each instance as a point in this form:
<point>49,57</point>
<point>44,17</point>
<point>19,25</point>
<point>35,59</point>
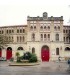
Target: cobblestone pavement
<point>45,68</point>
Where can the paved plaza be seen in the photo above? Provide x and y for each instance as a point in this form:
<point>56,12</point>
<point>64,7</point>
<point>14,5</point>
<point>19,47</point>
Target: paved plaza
<point>45,68</point>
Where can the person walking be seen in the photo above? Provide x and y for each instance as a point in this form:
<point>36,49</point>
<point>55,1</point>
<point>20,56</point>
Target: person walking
<point>59,59</point>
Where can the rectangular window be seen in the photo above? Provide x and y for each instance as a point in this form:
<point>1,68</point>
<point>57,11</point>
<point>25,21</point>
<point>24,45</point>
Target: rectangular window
<point>33,37</point>
<point>17,30</point>
<point>69,39</point>
<point>69,31</point>
<point>63,31</point>
<point>12,31</point>
<point>57,51</point>
<point>2,31</point>
<point>17,39</point>
<point>20,30</point>
<point>48,37</point>
<point>66,31</point>
<point>64,39</point>
<point>34,27</point>
<point>9,31</point>
<point>23,30</point>
<point>57,37</point>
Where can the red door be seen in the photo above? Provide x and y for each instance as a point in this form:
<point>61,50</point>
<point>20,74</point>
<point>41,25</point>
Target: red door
<point>45,54</point>
<point>9,53</point>
<point>0,53</point>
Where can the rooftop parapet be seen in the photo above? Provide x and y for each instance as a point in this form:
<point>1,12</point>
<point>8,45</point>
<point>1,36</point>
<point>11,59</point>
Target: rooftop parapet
<point>45,18</point>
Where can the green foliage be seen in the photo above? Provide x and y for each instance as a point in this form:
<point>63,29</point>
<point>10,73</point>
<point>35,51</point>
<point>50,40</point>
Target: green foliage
<point>27,56</point>
<point>22,57</point>
<point>33,58</point>
<point>17,54</point>
<point>18,58</point>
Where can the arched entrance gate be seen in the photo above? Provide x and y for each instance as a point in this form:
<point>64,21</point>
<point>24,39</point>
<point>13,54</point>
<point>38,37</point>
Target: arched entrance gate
<point>9,53</point>
<point>45,53</point>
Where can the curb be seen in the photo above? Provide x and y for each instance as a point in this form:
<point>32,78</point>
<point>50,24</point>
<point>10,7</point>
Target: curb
<point>23,64</point>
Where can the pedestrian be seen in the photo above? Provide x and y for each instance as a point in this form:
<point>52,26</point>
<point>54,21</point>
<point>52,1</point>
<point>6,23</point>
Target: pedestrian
<point>69,62</point>
<point>59,59</point>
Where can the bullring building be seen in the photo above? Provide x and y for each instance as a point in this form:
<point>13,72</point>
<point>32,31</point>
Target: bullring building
<point>44,36</point>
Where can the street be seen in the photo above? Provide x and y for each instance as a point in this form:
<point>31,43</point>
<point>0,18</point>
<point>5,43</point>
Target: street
<point>45,68</point>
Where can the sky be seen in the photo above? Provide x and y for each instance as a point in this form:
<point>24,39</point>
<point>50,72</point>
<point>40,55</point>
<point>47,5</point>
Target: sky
<point>15,12</point>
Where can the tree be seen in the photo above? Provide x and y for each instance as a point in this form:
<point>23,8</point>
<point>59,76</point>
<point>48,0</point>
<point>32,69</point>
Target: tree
<point>18,56</point>
<point>4,41</point>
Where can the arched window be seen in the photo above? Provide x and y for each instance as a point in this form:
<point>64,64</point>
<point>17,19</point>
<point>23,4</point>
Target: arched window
<point>17,39</point>
<point>66,39</point>
<point>23,38</point>
<point>12,38</point>
<point>17,30</point>
<point>12,31</point>
<point>31,27</point>
<point>58,27</point>
<point>9,48</point>
<point>20,30</point>
<point>34,27</point>
<point>48,27</point>
<point>33,50</point>
<point>48,35</point>
<point>44,27</point>
<point>7,31</point>
<point>41,35</point>
<point>69,39</point>
<point>2,31</point>
<point>20,38</point>
<point>63,31</point>
<point>33,37</point>
<point>57,37</point>
<point>66,31</point>
<point>20,48</point>
<point>57,51</point>
<point>41,27</point>
<point>44,35</point>
<point>9,38</point>
<point>23,30</point>
<point>69,31</point>
<point>55,27</point>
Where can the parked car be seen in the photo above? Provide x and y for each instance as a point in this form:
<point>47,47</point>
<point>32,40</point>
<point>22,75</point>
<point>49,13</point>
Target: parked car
<point>2,59</point>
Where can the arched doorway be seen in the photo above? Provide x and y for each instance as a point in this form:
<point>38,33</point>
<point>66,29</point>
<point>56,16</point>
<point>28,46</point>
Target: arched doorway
<point>45,53</point>
<point>9,53</point>
<point>20,48</point>
<point>0,52</point>
<point>67,49</point>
